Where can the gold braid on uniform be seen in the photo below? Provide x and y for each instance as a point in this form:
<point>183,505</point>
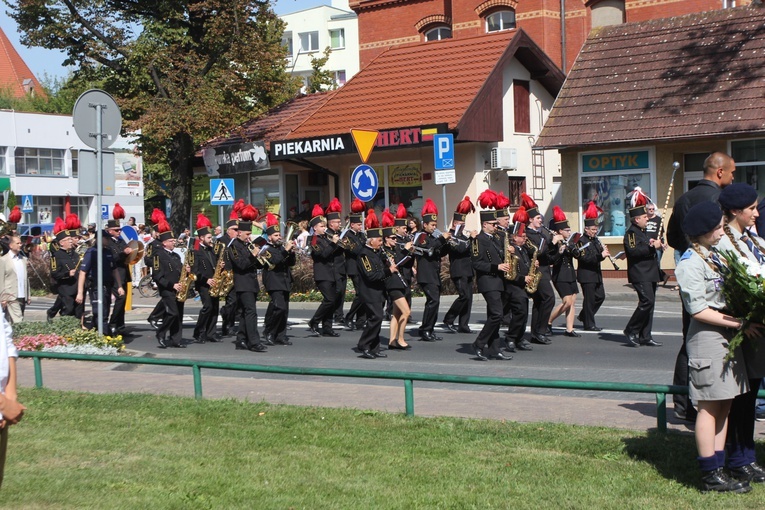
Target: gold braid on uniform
<point>733,241</point>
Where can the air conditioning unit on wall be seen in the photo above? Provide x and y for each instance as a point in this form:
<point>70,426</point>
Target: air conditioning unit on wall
<point>503,159</point>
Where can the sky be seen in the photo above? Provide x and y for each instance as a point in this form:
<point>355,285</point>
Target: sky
<point>42,61</point>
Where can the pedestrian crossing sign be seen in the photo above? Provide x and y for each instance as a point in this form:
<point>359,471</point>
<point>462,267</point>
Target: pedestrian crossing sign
<point>27,204</point>
<point>221,191</point>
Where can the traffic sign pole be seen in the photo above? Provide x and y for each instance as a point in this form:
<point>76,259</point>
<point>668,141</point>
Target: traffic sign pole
<point>99,236</point>
<point>446,214</point>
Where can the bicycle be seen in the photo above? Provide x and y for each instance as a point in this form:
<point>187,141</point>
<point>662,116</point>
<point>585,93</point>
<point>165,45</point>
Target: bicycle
<point>147,287</point>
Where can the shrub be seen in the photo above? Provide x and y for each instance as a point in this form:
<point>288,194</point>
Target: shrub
<point>61,326</point>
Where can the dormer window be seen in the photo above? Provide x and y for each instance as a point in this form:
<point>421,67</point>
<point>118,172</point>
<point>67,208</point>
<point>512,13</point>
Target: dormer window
<point>438,33</point>
<point>500,20</point>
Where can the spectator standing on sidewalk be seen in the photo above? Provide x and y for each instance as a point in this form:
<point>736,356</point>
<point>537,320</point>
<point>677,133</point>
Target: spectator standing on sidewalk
<point>10,409</point>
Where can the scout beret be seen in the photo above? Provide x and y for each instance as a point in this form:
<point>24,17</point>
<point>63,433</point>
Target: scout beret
<point>738,195</point>
<point>702,218</point>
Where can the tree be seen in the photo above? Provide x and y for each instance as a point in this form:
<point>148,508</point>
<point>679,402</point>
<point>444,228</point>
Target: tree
<point>182,71</point>
<point>60,96</point>
<point>321,79</point>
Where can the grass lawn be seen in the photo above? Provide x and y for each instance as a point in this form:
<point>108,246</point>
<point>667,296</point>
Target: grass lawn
<point>77,450</point>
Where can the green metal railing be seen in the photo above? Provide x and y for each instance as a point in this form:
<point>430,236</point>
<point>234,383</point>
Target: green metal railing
<point>660,390</point>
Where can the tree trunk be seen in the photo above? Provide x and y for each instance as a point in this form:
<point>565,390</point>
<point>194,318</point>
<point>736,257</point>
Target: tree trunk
<point>182,174</point>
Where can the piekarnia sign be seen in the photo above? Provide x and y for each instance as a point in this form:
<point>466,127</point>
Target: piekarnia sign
<point>309,147</point>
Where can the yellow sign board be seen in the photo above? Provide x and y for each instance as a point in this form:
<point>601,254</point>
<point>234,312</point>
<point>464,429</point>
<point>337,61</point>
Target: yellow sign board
<point>365,141</point>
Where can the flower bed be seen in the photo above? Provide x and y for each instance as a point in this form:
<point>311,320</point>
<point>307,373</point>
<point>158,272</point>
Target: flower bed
<point>64,334</point>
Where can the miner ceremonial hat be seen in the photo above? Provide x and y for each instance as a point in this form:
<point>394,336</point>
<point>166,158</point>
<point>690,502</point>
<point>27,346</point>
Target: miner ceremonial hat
<point>637,200</point>
<point>591,214</point>
<point>429,211</point>
<point>357,211</point>
<point>204,225</point>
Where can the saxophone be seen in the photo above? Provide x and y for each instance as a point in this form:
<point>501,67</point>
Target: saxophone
<point>534,273</point>
<point>510,259</point>
<point>186,277</point>
<point>224,280</point>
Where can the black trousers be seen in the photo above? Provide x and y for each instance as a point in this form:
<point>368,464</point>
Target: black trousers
<point>102,312</point>
<point>248,324</point>
<point>172,322</point>
<point>341,283</point>
<point>682,403</point>
<point>518,303</point>
<point>323,315</point>
<point>432,300</point>
<point>544,302</point>
<point>463,304</point>
<point>358,310</point>
<point>489,334</point>
<point>276,315</point>
<point>739,442</point>
<point>594,295</point>
<point>117,319</point>
<point>67,305</point>
<point>158,313</point>
<point>230,311</point>
<point>370,336</point>
<point>208,315</point>
<point>641,322</point>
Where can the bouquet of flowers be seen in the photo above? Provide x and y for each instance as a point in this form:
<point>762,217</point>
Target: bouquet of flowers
<point>744,292</point>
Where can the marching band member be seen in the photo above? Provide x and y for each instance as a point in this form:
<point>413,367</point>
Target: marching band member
<point>277,279</point>
<point>564,274</point>
<point>334,228</point>
<point>156,315</point>
<point>518,298</point>
<point>167,269</point>
<point>461,269</point>
<point>404,246</point>
<point>204,270</point>
<point>547,253</point>
<point>642,272</point>
<point>323,251</point>
<point>244,262</point>
<point>488,260</point>
<point>373,271</point>
<point>119,248</point>
<point>395,287</point>
<point>589,252</point>
<point>64,265</point>
<point>230,309</point>
<point>353,241</point>
<point>430,250</point>
<point>500,205</point>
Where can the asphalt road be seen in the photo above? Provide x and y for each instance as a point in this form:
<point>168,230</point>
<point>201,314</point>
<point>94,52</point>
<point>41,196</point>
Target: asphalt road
<point>602,356</point>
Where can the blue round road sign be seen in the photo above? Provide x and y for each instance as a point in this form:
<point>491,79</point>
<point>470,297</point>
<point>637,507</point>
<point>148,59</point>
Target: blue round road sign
<point>364,183</point>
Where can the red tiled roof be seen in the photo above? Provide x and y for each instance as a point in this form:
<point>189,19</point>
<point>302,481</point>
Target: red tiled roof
<point>692,76</point>
<point>276,124</point>
<point>425,83</point>
<point>14,71</point>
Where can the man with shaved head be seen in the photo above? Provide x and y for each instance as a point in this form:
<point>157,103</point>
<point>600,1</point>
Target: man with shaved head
<point>719,169</point>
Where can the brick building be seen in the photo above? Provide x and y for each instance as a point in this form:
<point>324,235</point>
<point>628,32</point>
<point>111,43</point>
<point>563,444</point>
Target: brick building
<point>384,23</point>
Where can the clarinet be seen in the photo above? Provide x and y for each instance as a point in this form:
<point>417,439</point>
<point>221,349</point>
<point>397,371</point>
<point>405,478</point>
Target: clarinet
<point>599,247</point>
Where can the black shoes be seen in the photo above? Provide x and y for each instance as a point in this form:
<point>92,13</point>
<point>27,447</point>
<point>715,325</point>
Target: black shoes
<point>239,346</point>
<point>464,330</point>
<point>593,328</point>
<point>427,337</point>
<point>479,352</point>
<point>269,339</point>
<point>367,354</point>
<point>161,341</point>
<point>540,339</point>
<point>349,324</point>
<point>524,345</point>
<point>397,346</point>
<point>313,330</point>
<point>751,473</point>
<point>572,333</point>
<point>379,354</point>
<point>718,481</point>
<point>632,339</point>
<point>650,342</point>
<point>451,328</point>
<point>330,333</point>
<point>153,323</point>
<point>549,330</point>
<point>199,340</point>
<point>257,348</point>
<point>510,346</point>
<point>504,357</point>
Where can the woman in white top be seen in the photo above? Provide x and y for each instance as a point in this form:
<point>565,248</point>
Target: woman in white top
<point>10,409</point>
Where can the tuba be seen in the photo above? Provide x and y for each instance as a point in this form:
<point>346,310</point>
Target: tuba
<point>534,273</point>
<point>186,277</point>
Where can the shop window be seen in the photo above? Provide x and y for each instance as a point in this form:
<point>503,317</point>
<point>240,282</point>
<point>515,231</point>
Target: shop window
<point>39,161</point>
<point>607,12</point>
<point>607,178</point>
<point>438,34</point>
<point>521,106</point>
<point>336,38</point>
<point>749,156</point>
<point>500,20</point>
<point>309,41</point>
<point>264,192</point>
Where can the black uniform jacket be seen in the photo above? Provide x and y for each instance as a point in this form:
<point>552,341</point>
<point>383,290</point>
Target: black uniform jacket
<point>460,263</point>
<point>549,253</point>
<point>117,246</point>
<point>405,269</point>
<point>589,253</point>
<point>642,265</point>
<point>221,247</point>
<point>245,266</point>
<point>486,256</point>
<point>373,271</point>
<point>61,263</point>
<point>339,255</point>
<point>429,266</point>
<point>204,265</point>
<point>167,266</point>
<point>563,268</point>
<point>352,243</point>
<point>148,254</point>
<point>393,282</point>
<point>323,253</point>
<point>278,276</point>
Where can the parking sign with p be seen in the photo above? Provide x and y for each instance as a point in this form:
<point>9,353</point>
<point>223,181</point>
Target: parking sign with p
<point>443,151</point>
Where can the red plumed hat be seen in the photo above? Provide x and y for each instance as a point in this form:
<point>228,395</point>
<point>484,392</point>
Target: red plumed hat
<point>238,206</point>
<point>72,221</point>
<point>487,199</point>
<point>157,216</point>
<point>591,214</point>
<point>272,223</point>
<point>58,226</point>
<point>357,206</point>
<point>401,216</point>
<point>429,211</point>
<point>371,221</point>
<point>165,232</point>
<point>317,215</point>
<point>204,225</point>
<point>637,200</point>
<point>466,206</point>
<point>118,212</point>
<point>62,230</point>
<point>233,215</point>
<point>521,216</point>
<point>559,220</point>
<point>388,219</point>
<point>334,209</point>
<point>502,201</point>
<point>15,215</point>
<point>249,213</point>
<point>531,206</point>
